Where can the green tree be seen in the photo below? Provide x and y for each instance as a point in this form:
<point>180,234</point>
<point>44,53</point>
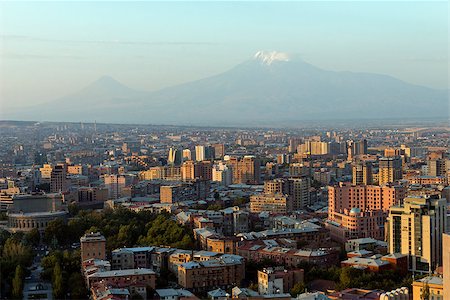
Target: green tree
<point>298,288</point>
<point>33,237</point>
<point>56,230</point>
<point>73,208</point>
<point>16,252</point>
<point>425,292</point>
<point>58,284</point>
<point>77,287</point>
<point>17,283</point>
<point>240,201</point>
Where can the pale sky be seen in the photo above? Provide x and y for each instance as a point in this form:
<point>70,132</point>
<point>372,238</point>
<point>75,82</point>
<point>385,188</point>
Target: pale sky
<point>51,49</point>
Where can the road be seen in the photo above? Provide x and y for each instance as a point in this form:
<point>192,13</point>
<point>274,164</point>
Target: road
<point>34,286</point>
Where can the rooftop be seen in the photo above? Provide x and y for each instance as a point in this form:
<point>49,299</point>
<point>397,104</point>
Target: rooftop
<point>93,237</point>
<point>120,273</point>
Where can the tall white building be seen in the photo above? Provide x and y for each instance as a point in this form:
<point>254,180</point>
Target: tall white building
<point>174,157</point>
<point>223,174</point>
<point>187,155</point>
<point>415,229</point>
<point>199,153</point>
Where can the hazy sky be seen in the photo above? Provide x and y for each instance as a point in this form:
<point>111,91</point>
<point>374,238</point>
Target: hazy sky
<point>51,49</point>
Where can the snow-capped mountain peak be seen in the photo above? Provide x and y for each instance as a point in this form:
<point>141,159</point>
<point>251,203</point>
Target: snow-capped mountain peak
<point>268,57</point>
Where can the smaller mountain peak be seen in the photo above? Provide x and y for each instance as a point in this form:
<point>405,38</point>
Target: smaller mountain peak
<point>106,79</point>
<point>268,57</point>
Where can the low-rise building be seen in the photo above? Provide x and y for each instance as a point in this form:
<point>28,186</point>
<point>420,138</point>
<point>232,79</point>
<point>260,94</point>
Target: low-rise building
<point>137,280</point>
<point>224,272</point>
<point>276,203</point>
<point>278,280</point>
<point>288,257</point>
<point>365,244</point>
<point>174,294</point>
<point>378,263</point>
<point>93,245</point>
<point>433,286</point>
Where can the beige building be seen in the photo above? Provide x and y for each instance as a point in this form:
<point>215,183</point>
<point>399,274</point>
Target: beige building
<point>275,203</point>
<point>162,172</point>
<point>297,190</point>
<point>187,154</point>
<point>188,170</point>
<point>46,172</point>
<point>390,170</point>
<point>362,173</point>
<point>446,264</point>
<point>115,185</point>
<point>415,229</point>
<point>245,170</point>
<point>222,174</point>
<point>75,169</point>
<point>93,245</point>
<point>278,280</point>
<point>430,287</point>
<point>314,148</point>
<point>151,174</point>
<point>223,272</point>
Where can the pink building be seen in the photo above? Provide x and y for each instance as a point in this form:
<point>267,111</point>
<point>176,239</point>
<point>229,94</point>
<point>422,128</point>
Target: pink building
<point>365,197</point>
<point>360,211</point>
<point>355,224</point>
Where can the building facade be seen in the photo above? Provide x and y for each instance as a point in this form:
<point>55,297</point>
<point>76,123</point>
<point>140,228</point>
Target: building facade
<point>415,229</point>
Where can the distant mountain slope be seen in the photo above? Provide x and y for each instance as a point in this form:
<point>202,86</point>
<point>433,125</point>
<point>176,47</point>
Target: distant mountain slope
<point>268,89</point>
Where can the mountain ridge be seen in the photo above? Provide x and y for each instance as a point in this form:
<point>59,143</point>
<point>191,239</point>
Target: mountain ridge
<point>271,87</point>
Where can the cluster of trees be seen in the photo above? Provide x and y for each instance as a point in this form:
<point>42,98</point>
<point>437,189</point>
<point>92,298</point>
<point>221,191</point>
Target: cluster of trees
<point>62,268</point>
<point>122,228</point>
<point>355,278</point>
<point>16,255</point>
<point>343,277</point>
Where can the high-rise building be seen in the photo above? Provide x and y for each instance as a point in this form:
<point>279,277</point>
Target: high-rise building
<point>188,170</point>
<point>203,170</point>
<point>362,173</point>
<point>446,263</point>
<point>174,157</point>
<point>415,228</point>
<point>187,155</point>
<point>209,153</point>
<point>360,211</point>
<point>299,170</point>
<point>365,197</point>
<point>359,147</point>
<point>296,189</point>
<point>219,151</point>
<point>293,144</point>
<point>438,167</point>
<point>314,148</point>
<point>58,180</point>
<point>200,154</point>
<point>115,184</point>
<point>390,170</point>
<point>245,170</point>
